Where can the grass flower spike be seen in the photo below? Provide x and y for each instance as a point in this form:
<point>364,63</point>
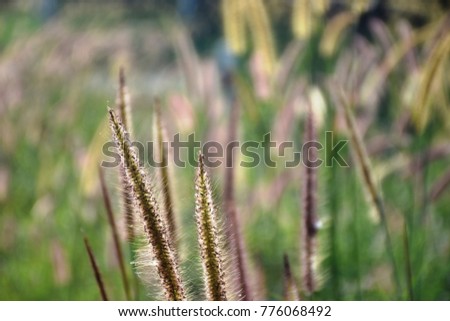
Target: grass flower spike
<point>310,221</point>
<point>154,224</point>
<point>161,153</point>
<point>208,238</point>
<point>124,109</point>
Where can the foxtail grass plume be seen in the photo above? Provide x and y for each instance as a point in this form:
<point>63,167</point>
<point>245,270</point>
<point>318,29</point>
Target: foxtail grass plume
<point>362,159</point>
<point>123,101</point>
<point>302,19</point>
<point>237,16</point>
<point>236,243</point>
<point>320,6</point>
<point>124,109</point>
<point>261,31</point>
<point>305,14</point>
<point>310,220</point>
<point>161,153</point>
<point>208,236</point>
<point>359,6</point>
<point>433,71</point>
<point>334,32</point>
<point>96,270</point>
<point>234,25</point>
<point>154,223</point>
<point>115,234</point>
<point>290,291</point>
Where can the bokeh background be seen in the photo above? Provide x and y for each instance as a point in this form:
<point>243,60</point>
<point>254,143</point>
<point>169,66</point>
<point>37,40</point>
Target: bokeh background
<point>59,65</point>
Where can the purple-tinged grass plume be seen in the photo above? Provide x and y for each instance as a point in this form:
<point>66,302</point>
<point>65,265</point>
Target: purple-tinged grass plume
<point>161,156</point>
<point>124,110</point>
<point>154,223</point>
<point>208,236</point>
<point>310,220</point>
<point>234,234</point>
<point>123,102</point>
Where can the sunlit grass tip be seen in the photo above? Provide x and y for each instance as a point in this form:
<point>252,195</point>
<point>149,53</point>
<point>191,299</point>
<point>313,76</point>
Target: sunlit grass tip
<point>154,224</point>
<point>208,236</point>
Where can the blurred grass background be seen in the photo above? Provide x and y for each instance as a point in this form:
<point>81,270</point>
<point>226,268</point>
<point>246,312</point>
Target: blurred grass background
<point>59,63</point>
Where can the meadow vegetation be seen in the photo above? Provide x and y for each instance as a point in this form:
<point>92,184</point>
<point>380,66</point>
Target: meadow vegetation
<point>377,229</point>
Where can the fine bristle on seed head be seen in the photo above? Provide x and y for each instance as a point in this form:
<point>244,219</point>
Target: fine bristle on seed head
<point>124,110</point>
<point>161,153</point>
<point>310,221</point>
<point>208,236</point>
<point>155,226</point>
<point>123,101</point>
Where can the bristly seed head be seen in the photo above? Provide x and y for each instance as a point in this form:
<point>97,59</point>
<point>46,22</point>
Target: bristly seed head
<point>123,101</point>
<point>161,155</point>
<point>154,224</point>
<point>310,210</point>
<point>124,110</point>
<point>208,238</point>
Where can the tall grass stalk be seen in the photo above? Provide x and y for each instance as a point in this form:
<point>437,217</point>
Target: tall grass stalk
<point>96,270</point>
<point>154,223</point>
<point>408,263</point>
<point>310,220</point>
<point>437,60</point>
<point>334,208</point>
<point>357,258</point>
<point>234,25</point>
<point>161,153</point>
<point>302,19</point>
<point>369,182</point>
<point>124,109</point>
<point>115,234</point>
<point>261,31</point>
<point>208,236</point>
<point>290,289</point>
<point>439,187</point>
<point>235,235</point>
